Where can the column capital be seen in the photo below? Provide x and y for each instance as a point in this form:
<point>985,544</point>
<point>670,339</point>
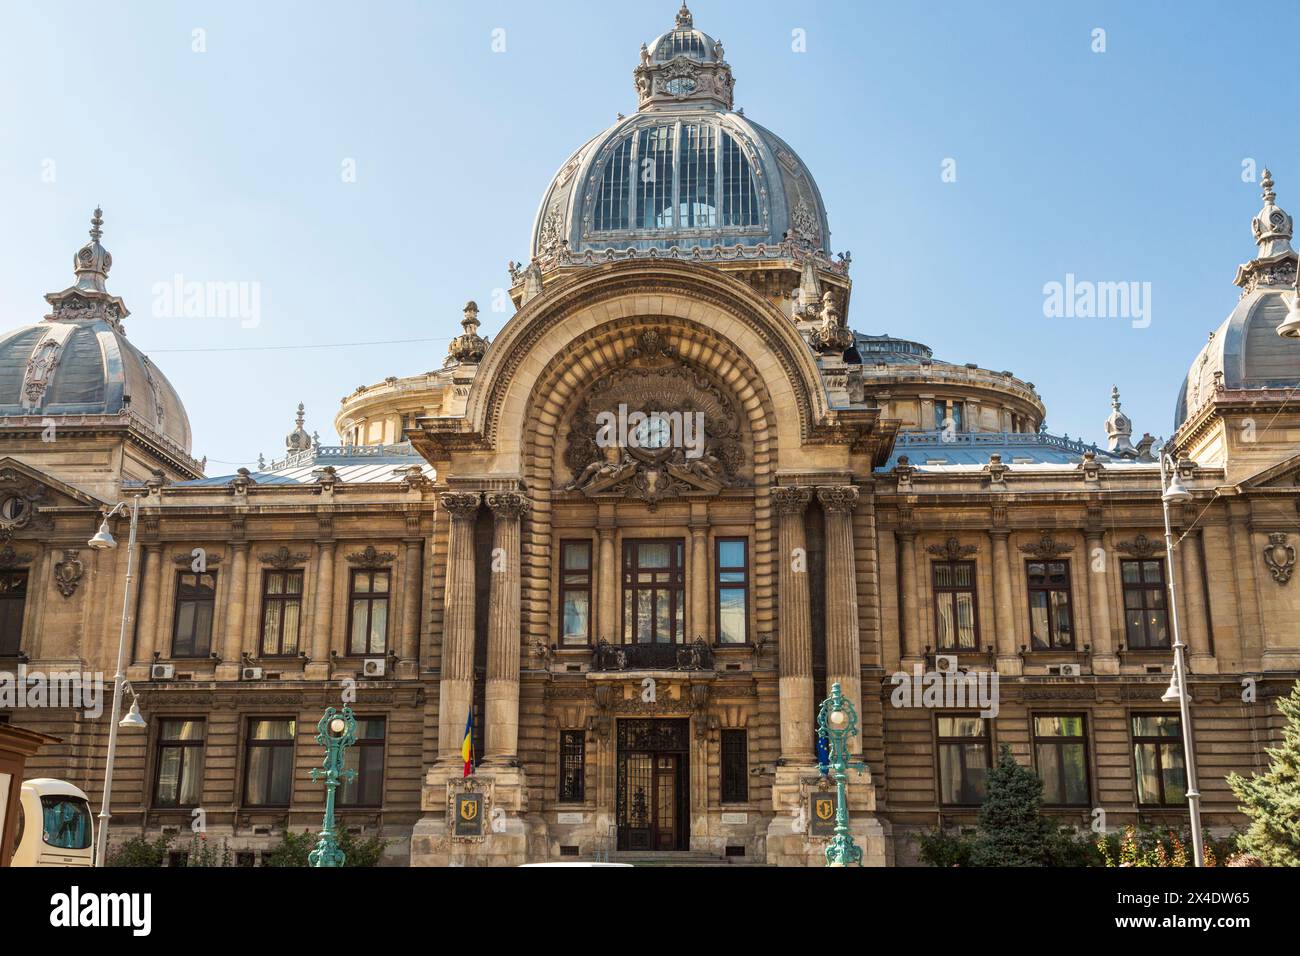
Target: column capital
<point>460,504</point>
<point>508,505</point>
<point>790,500</point>
<point>838,499</point>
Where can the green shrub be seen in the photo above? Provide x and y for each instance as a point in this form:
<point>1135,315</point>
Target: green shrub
<point>944,848</point>
<point>139,852</point>
<point>294,848</point>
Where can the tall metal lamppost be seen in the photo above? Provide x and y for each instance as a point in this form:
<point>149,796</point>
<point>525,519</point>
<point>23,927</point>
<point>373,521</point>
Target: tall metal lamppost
<point>1173,491</point>
<point>837,721</point>
<point>104,541</point>
<point>336,732</point>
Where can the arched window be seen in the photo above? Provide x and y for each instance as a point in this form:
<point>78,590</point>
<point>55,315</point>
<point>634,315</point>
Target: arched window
<point>685,176</point>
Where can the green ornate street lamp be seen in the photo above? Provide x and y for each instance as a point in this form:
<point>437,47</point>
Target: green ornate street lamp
<point>336,731</point>
<point>837,721</point>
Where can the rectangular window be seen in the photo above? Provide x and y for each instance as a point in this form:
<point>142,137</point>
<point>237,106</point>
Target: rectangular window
<point>1146,621</point>
<point>946,418</point>
<point>732,561</point>
<point>654,178</point>
<point>654,584</point>
<point>735,766</point>
<point>268,772</point>
<point>963,760</point>
<point>368,613</point>
<point>13,604</point>
<point>954,605</point>
<point>573,766</point>
<point>180,763</point>
<point>281,612</point>
<point>196,596</point>
<point>1061,755</point>
<point>575,593</point>
<point>366,757</point>
<point>1158,760</point>
<point>1051,624</point>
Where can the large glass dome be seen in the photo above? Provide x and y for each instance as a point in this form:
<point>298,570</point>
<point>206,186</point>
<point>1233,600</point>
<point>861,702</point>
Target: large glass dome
<point>685,172</point>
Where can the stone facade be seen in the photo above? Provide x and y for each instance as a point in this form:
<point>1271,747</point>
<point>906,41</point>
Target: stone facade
<point>476,547</point>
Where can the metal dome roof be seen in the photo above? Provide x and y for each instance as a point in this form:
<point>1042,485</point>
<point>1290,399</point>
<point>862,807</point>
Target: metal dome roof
<point>1246,352</point>
<point>77,361</point>
<point>684,172</point>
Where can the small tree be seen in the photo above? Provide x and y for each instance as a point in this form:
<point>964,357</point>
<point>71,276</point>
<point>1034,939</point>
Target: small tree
<point>1012,831</point>
<point>1272,799</point>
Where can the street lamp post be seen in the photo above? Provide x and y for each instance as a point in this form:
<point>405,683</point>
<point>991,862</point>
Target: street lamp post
<point>1171,491</point>
<point>104,541</point>
<point>336,731</point>
<point>837,721</point>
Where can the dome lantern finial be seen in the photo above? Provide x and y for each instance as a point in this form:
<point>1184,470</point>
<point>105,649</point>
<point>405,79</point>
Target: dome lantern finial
<point>684,19</point>
<point>92,261</point>
<point>298,439</point>
<point>1272,225</point>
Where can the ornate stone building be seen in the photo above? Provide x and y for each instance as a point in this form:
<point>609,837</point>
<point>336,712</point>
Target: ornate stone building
<point>639,534</point>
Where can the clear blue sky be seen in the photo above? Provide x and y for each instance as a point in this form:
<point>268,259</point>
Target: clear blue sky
<point>226,165</point>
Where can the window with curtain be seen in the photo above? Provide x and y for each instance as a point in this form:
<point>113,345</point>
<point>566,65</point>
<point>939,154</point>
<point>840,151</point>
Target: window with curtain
<point>964,760</point>
<point>13,605</point>
<point>575,593</point>
<point>1051,625</point>
<point>954,605</point>
<point>179,762</point>
<point>281,612</point>
<point>1146,619</point>
<point>366,757</point>
<point>731,557</point>
<point>268,767</point>
<point>196,596</point>
<point>368,613</point>
<point>1158,760</point>
<point>1061,756</point>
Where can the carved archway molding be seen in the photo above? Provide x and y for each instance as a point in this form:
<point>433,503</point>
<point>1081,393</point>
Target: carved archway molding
<point>663,292</point>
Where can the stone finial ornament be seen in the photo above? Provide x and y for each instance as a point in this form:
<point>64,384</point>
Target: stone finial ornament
<point>298,439</point>
<point>1272,225</point>
<point>834,335</point>
<point>1119,429</point>
<point>468,347</point>
<point>92,260</point>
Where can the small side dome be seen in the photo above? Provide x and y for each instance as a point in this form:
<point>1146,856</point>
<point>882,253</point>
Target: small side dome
<point>78,360</point>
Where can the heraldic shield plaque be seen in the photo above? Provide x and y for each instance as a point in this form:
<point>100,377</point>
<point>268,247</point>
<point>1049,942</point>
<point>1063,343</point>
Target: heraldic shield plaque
<point>822,806</point>
<point>469,815</point>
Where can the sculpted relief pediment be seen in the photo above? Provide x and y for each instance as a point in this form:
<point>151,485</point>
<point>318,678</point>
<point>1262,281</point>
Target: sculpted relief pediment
<point>655,429</point>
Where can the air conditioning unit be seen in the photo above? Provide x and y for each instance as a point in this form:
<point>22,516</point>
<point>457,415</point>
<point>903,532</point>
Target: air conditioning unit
<point>1069,670</point>
<point>945,663</point>
<point>251,673</point>
<point>373,667</point>
<point>162,671</point>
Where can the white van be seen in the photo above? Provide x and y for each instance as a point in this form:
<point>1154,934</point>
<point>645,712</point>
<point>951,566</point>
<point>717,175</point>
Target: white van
<point>55,827</point>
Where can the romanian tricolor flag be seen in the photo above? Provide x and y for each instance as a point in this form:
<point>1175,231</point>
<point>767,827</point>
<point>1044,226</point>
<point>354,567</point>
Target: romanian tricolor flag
<point>467,745</point>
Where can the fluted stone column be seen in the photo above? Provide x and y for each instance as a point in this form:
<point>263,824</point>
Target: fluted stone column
<point>607,600</point>
<point>1200,657</point>
<point>456,687</point>
<point>1003,611</point>
<point>913,645</point>
<point>699,579</point>
<point>795,643</point>
<point>323,617</point>
<point>843,646</point>
<point>1104,659</point>
<point>411,593</point>
<point>147,637</point>
<point>502,719</point>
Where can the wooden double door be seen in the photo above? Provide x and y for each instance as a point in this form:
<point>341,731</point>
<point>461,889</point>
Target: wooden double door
<point>653,787</point>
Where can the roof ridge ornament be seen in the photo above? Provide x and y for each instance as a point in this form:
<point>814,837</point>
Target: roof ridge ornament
<point>298,439</point>
<point>92,261</point>
<point>1272,227</point>
<point>1119,429</point>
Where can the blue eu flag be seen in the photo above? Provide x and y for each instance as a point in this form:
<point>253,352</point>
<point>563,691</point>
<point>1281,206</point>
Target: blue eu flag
<point>823,754</point>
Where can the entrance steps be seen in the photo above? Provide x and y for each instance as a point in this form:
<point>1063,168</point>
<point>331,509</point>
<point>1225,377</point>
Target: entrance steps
<point>678,858</point>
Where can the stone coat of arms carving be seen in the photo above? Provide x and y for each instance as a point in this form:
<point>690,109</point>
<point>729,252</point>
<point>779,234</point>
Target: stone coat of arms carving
<point>1280,558</point>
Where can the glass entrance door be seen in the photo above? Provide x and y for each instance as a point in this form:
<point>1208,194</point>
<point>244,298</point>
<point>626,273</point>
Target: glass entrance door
<point>653,787</point>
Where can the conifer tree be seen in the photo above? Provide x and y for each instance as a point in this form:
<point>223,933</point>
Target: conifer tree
<point>1012,830</point>
<point>1272,799</point>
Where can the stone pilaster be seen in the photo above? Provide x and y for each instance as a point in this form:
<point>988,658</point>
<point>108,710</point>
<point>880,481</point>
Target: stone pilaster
<point>148,638</point>
<point>456,687</point>
<point>412,576</point>
<point>795,639</point>
<point>232,644</point>
<point>1008,660</point>
<point>843,645</point>
<point>700,625</point>
<point>1191,589</point>
<point>323,616</point>
<point>913,645</point>
<point>606,625</point>
<point>502,697</point>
